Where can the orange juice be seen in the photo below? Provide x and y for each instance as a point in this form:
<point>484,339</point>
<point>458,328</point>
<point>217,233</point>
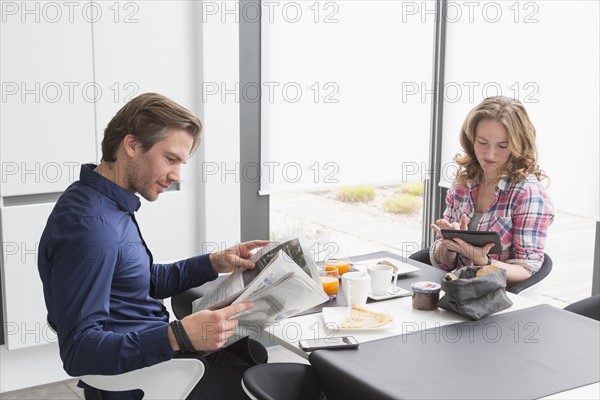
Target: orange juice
<point>331,284</point>
<point>342,265</point>
<point>329,268</point>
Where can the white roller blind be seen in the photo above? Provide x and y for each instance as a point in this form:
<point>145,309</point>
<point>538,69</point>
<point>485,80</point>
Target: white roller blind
<point>346,93</point>
<point>544,53</point>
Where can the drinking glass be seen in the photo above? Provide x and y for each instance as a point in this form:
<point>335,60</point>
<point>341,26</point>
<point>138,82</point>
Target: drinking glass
<point>339,259</point>
<point>330,279</point>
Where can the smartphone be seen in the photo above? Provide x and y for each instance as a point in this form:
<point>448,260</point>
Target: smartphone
<point>476,238</point>
<point>329,343</point>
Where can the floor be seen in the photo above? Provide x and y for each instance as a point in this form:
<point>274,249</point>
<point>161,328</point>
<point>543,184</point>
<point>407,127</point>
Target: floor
<point>363,230</point>
<point>65,390</point>
<point>68,390</point>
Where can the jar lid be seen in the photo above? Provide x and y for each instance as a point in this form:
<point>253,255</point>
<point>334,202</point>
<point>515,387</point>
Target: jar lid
<point>426,287</point>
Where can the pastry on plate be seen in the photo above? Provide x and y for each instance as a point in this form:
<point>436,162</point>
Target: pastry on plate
<point>363,318</point>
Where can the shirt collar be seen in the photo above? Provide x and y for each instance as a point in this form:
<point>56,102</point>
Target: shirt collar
<point>503,184</point>
<point>124,198</point>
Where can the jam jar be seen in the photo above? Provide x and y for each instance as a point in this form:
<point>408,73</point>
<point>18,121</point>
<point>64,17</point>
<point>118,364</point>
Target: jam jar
<point>425,295</point>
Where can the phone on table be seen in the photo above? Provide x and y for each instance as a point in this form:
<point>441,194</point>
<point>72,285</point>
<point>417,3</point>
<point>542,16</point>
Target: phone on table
<point>329,343</point>
<point>476,238</point>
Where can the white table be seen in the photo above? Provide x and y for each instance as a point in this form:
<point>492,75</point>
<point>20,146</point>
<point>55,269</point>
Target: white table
<point>289,332</point>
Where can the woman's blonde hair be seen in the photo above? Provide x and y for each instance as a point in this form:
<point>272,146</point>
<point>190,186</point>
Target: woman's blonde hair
<point>521,140</point>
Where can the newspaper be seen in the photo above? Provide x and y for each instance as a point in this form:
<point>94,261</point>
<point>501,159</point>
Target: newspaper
<point>284,282</point>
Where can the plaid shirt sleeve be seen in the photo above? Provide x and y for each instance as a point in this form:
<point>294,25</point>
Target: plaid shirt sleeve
<point>532,215</point>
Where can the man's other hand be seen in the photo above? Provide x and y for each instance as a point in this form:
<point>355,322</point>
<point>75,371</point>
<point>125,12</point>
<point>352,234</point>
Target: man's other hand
<point>235,257</point>
<point>209,330</point>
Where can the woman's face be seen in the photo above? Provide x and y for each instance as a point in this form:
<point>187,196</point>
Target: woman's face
<point>491,148</point>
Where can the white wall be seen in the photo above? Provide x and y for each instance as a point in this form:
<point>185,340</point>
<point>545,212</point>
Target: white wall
<point>30,367</point>
<point>221,167</point>
<point>134,47</point>
<point>48,95</point>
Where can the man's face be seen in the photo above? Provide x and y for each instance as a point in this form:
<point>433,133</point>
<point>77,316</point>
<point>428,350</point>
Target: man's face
<point>151,173</point>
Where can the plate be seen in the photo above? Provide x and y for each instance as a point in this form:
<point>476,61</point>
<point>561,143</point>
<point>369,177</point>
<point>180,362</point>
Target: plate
<point>334,317</point>
<point>403,268</point>
<point>389,295</point>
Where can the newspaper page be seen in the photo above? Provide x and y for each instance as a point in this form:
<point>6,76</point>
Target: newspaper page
<point>284,282</point>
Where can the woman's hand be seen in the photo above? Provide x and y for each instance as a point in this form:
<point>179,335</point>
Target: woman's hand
<point>445,224</point>
<point>446,244</point>
<point>479,255</point>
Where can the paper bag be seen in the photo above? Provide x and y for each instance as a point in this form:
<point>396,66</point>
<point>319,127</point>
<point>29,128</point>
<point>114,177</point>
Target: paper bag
<point>475,297</point>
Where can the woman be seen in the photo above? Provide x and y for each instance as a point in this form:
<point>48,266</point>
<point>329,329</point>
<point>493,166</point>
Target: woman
<point>497,188</point>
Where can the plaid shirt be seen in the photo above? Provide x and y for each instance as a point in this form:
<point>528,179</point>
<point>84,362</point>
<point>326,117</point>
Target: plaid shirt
<point>520,213</point>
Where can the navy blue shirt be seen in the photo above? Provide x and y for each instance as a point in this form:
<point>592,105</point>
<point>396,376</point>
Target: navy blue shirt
<point>100,283</point>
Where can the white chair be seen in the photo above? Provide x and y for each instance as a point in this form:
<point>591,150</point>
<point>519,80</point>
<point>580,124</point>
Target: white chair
<point>170,380</point>
<point>173,379</point>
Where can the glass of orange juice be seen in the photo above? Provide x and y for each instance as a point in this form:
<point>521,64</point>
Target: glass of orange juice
<point>330,279</point>
<point>339,259</point>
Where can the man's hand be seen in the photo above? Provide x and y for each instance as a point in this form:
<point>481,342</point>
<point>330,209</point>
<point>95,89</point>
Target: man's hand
<point>209,330</point>
<point>235,257</point>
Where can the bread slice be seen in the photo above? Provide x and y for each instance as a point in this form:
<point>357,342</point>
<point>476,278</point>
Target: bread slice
<point>488,269</point>
<point>363,318</point>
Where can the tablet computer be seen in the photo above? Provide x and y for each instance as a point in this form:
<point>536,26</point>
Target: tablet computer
<point>476,238</point>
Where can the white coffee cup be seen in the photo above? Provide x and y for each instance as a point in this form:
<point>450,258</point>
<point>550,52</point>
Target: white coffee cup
<point>356,286</point>
<point>381,277</point>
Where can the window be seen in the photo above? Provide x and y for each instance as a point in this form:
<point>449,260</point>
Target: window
<point>346,101</point>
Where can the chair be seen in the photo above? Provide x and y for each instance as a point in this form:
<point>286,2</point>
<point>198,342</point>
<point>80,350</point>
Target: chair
<point>182,303</point>
<point>290,381</point>
<point>421,256</point>
<point>173,379</point>
<point>588,307</point>
<point>529,288</point>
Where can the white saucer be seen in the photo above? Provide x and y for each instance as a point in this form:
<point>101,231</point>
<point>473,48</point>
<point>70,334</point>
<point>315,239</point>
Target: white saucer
<point>402,268</point>
<point>389,295</point>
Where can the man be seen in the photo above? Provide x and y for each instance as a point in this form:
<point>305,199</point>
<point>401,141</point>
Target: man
<point>100,282</point>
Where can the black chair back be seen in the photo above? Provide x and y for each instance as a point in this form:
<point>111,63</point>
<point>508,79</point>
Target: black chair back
<point>423,256</point>
<point>276,381</point>
<point>544,271</point>
<point>588,307</point>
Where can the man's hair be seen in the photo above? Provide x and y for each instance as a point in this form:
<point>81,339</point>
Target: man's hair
<point>149,118</point>
<point>521,140</point>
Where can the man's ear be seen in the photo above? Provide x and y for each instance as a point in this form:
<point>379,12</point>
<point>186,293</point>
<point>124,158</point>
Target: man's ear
<point>129,145</point>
